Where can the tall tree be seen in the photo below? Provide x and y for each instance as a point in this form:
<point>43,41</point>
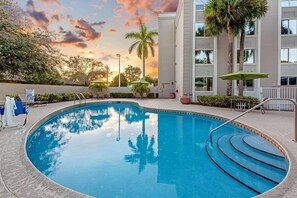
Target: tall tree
<point>107,73</point>
<point>144,43</point>
<point>152,80</point>
<point>83,70</point>
<point>26,55</point>
<point>115,81</point>
<point>132,73</point>
<point>257,9</point>
<point>226,15</point>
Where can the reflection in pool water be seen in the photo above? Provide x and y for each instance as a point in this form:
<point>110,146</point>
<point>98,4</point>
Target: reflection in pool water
<point>120,150</point>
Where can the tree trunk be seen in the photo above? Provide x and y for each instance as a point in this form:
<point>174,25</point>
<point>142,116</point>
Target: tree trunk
<point>230,59</point>
<point>241,60</point>
<point>143,64</point>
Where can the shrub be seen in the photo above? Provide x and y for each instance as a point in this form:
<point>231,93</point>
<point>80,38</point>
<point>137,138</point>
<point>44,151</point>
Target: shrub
<point>68,96</point>
<point>121,95</point>
<point>87,95</point>
<point>222,101</point>
<point>42,97</point>
<point>151,95</point>
<point>15,96</point>
<point>140,89</point>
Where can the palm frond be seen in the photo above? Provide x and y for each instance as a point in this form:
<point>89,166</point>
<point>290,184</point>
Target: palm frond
<point>131,48</point>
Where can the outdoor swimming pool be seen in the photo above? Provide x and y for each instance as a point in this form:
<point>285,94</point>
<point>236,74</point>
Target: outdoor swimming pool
<point>121,150</point>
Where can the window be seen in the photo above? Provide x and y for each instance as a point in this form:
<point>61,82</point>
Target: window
<point>200,4</point>
<point>289,55</point>
<point>248,85</point>
<point>249,56</point>
<point>289,80</point>
<point>289,26</point>
<point>203,83</point>
<point>250,28</point>
<point>289,3</point>
<point>204,57</point>
<point>200,30</point>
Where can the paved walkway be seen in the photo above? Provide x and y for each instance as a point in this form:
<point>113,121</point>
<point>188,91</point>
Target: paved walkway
<point>19,178</point>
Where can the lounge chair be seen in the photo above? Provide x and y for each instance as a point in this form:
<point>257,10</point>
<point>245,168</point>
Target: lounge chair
<point>19,109</point>
<point>1,114</point>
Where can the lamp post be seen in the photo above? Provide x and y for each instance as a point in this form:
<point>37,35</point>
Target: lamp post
<point>119,55</point>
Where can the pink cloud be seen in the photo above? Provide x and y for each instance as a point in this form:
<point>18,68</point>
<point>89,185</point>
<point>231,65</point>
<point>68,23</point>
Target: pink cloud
<point>84,29</point>
<point>54,2</point>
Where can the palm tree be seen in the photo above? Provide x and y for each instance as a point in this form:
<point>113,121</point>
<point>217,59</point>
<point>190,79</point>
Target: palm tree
<point>226,15</point>
<point>144,42</point>
<point>257,9</point>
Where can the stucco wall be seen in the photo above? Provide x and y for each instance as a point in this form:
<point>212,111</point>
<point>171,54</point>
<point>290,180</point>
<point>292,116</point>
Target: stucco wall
<point>189,43</point>
<point>269,44</point>
<point>8,88</point>
<point>166,58</point>
<point>179,49</point>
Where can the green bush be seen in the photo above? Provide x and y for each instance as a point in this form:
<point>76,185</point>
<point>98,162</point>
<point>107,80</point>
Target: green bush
<point>42,97</point>
<point>15,96</point>
<point>68,96</point>
<point>140,89</point>
<point>151,95</point>
<point>222,101</point>
<point>121,95</point>
<point>87,95</point>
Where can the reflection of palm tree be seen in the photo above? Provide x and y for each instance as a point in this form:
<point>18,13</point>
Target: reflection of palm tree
<point>200,31</point>
<point>207,55</point>
<point>143,151</point>
<point>285,30</point>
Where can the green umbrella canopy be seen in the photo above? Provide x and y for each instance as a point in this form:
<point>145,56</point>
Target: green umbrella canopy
<point>244,75</point>
<point>140,82</point>
<point>97,81</point>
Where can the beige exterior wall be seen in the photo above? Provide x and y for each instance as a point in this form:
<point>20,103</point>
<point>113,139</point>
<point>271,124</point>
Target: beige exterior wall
<point>166,73</point>
<point>267,43</point>
<point>270,49</point>
<point>179,57</point>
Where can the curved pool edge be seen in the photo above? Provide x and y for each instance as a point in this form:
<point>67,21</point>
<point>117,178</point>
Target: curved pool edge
<point>64,191</point>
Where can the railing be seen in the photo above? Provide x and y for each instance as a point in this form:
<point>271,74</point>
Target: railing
<point>279,92</point>
<point>255,107</point>
<point>80,97</point>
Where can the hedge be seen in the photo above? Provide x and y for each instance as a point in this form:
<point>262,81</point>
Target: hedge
<point>222,101</point>
<point>121,95</point>
<point>51,98</point>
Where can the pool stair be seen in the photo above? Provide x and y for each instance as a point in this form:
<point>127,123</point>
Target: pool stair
<point>249,159</point>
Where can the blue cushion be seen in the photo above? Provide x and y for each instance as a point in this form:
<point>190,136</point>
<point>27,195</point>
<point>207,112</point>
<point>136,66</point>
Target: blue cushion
<point>20,108</point>
<point>1,110</point>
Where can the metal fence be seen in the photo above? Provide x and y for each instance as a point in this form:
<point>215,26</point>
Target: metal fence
<point>279,92</point>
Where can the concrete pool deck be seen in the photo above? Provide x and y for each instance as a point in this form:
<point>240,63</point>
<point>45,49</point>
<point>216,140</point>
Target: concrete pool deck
<point>18,178</point>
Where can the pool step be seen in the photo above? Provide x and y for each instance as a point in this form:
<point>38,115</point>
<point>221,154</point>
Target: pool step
<point>263,145</point>
<point>255,182</point>
<point>238,143</point>
<point>266,171</point>
<point>255,164</point>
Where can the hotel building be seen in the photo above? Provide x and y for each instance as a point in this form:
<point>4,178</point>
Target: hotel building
<point>190,62</point>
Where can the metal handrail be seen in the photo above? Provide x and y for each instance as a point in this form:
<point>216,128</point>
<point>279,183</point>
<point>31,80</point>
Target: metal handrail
<point>255,107</point>
<point>77,96</point>
<point>82,95</point>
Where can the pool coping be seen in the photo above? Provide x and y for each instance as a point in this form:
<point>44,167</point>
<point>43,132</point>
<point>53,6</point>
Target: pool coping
<point>62,190</point>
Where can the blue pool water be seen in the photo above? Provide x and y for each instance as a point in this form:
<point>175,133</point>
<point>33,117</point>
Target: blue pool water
<point>121,150</point>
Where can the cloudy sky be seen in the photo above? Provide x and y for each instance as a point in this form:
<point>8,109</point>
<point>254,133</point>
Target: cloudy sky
<point>96,28</point>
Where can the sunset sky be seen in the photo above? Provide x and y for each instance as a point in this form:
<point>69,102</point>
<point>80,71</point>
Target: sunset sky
<point>96,28</point>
